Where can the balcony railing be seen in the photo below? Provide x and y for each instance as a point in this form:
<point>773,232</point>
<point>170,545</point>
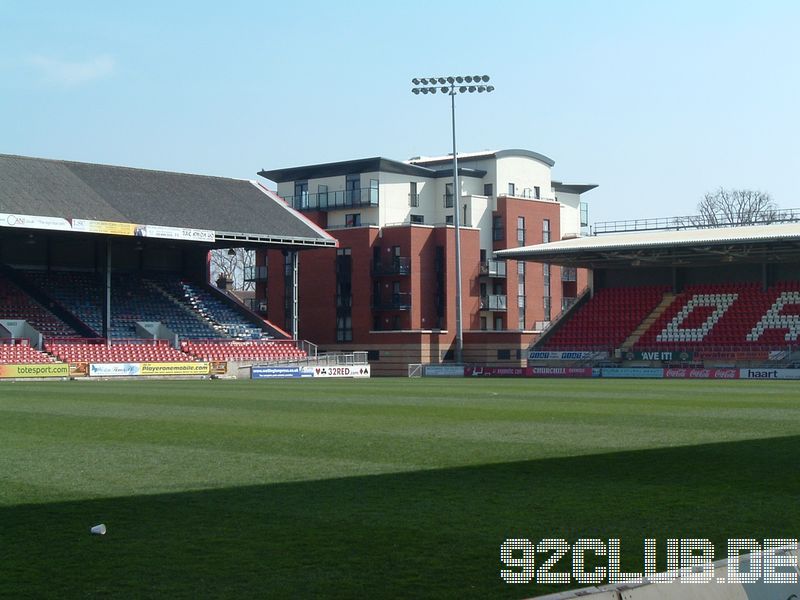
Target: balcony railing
<point>400,265</point>
<point>255,273</point>
<point>399,301</point>
<point>493,302</point>
<point>567,302</point>
<point>335,200</point>
<point>493,268</point>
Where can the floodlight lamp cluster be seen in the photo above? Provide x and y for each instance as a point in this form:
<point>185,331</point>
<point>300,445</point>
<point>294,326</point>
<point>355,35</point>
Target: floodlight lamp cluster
<point>452,85</point>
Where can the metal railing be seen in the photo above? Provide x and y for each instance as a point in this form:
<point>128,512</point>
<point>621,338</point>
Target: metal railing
<point>493,268</point>
<point>398,301</point>
<point>790,215</point>
<point>400,265</point>
<point>334,200</point>
<point>493,302</point>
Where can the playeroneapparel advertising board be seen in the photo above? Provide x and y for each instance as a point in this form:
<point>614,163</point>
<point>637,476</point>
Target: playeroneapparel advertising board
<point>144,369</point>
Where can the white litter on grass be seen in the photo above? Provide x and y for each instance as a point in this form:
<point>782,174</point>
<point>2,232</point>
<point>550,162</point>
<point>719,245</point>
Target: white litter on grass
<point>99,529</point>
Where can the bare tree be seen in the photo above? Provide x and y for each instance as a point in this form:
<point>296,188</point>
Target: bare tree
<point>234,263</point>
<point>736,207</point>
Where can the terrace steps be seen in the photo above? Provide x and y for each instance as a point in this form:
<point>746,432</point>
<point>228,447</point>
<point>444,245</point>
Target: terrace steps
<point>666,301</point>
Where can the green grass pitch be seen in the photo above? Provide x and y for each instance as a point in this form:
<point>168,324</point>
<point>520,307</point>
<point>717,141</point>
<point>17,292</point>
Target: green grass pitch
<point>382,488</point>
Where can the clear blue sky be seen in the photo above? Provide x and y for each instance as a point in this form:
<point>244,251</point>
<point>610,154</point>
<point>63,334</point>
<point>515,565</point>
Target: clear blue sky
<point>655,101</point>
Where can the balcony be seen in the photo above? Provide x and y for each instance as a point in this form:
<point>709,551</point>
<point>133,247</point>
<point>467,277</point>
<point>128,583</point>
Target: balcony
<point>493,302</point>
<point>493,268</point>
<point>362,197</point>
<point>400,265</point>
<point>399,301</point>
<point>255,273</point>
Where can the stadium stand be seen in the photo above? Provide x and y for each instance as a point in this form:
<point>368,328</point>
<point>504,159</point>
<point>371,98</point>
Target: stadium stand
<point>704,319</point>
<point>65,224</point>
<point>736,316</point>
<point>16,304</point>
<point>607,319</point>
<point>98,351</point>
<point>17,352</point>
<point>219,316</point>
<point>185,307</point>
<point>266,351</point>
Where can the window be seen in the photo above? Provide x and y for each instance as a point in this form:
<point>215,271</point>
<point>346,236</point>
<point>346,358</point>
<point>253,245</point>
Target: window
<point>413,196</point>
<point>569,274</point>
<point>545,231</point>
<point>352,220</point>
<point>521,230</point>
<point>448,220</point>
<point>504,355</point>
<point>498,324</point>
<point>521,295</point>
<point>537,192</point>
<point>512,189</point>
<point>322,196</point>
<point>484,324</point>
<point>418,219</point>
<point>301,194</point>
<point>584,214</point>
<point>546,291</point>
<point>498,232</point>
<point>352,187</point>
<point>344,329</point>
<point>488,189</point>
<point>546,274</point>
<point>344,295</point>
<point>448,195</point>
<point>373,355</point>
<point>373,192</point>
<point>287,264</point>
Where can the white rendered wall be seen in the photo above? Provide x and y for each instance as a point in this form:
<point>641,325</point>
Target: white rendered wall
<point>523,172</point>
<point>570,213</point>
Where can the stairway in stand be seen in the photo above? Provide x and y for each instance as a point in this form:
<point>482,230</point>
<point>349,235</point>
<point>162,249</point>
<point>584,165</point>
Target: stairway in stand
<point>648,321</point>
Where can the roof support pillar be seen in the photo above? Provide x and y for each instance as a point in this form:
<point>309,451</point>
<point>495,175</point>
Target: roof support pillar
<point>295,305</point>
<point>107,295</point>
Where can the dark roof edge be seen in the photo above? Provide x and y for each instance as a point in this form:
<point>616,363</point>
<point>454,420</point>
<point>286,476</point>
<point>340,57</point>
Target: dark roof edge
<point>573,188</point>
<point>345,167</point>
<point>462,172</point>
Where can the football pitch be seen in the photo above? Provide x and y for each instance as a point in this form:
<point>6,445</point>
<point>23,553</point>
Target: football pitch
<point>401,488</point>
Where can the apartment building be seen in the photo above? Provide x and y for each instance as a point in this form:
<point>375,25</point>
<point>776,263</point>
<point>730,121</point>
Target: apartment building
<point>389,288</point>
